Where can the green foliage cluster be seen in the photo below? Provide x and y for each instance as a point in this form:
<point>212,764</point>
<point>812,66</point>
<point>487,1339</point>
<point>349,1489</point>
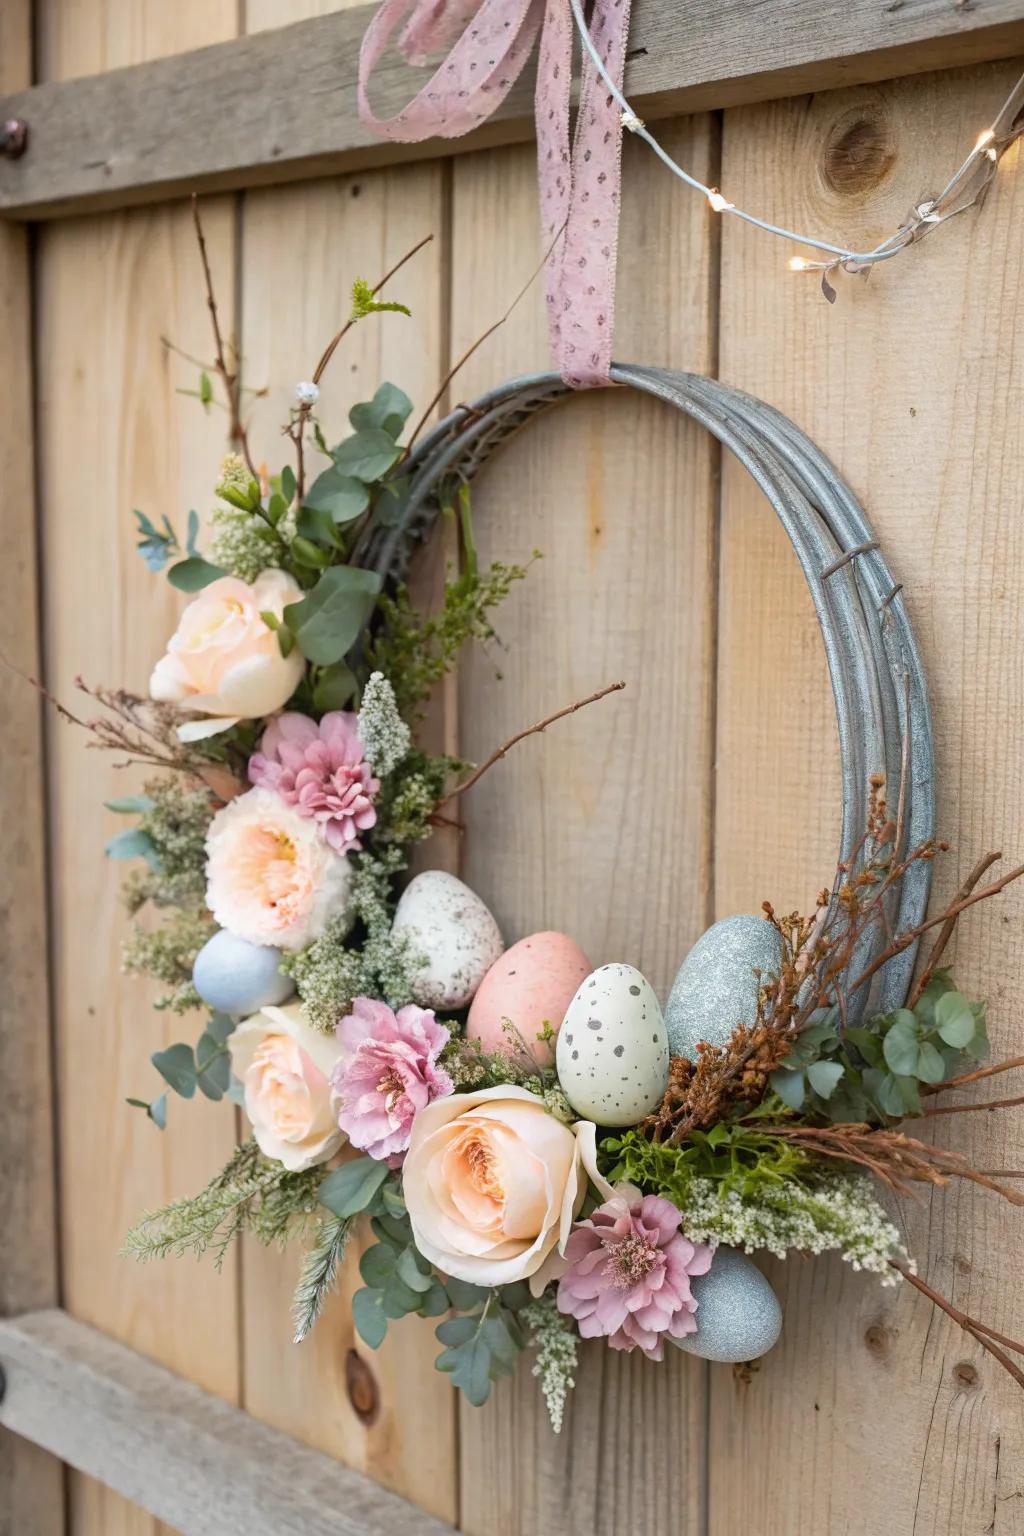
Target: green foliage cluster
<point>734,1157</point>
<point>252,1193</point>
<point>874,1072</point>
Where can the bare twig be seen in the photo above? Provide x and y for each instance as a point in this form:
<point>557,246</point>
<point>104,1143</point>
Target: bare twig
<point>1009,1065</point>
<point>984,1335</point>
<point>963,1109</point>
<point>228,377</point>
<point>533,730</point>
<point>948,927</point>
<point>335,342</point>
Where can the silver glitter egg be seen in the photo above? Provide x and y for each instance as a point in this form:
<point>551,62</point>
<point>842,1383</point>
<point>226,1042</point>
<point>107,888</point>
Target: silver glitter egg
<point>738,1313</point>
<point>715,988</point>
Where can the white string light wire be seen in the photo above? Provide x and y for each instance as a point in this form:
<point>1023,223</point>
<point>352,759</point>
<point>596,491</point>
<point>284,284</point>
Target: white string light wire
<point>965,189</point>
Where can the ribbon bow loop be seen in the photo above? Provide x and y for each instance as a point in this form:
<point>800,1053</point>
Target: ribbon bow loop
<point>489,42</point>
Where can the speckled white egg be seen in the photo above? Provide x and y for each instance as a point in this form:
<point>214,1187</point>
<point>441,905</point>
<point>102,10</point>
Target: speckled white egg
<point>454,933</point>
<point>612,1051</point>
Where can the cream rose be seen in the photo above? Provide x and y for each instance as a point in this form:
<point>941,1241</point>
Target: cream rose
<point>285,1068</point>
<point>493,1182</point>
<point>223,660</point>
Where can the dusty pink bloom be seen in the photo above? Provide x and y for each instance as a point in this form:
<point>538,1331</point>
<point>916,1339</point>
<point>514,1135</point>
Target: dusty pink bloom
<point>388,1073</point>
<point>321,771</point>
<point>629,1275</point>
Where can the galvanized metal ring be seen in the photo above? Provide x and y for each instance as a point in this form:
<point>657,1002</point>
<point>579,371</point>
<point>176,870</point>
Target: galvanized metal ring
<point>877,679</point>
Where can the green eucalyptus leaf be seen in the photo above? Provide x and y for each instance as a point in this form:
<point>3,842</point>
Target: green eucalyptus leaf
<point>399,1299</point>
<point>389,410</point>
<point>318,527</point>
<point>334,688</point>
<point>900,1048</point>
<point>789,1086</point>
<point>288,484</point>
<point>890,1097</point>
<point>343,497</point>
<point>193,574</point>
<point>466,1297</point>
<point>377,1265</point>
<point>213,1066</point>
<point>157,1112</point>
<point>351,1188</point>
<point>825,1077</point>
<point>133,844</point>
<point>867,1043</point>
<point>220,1026</point>
<point>177,1067</point>
<point>456,1331</point>
<point>954,1019</point>
<point>367,456</point>
<point>930,1066</point>
<point>327,621</point>
<point>129,805</point>
<point>368,1316</point>
<point>306,553</point>
<point>435,1303</point>
<point>409,1272</point>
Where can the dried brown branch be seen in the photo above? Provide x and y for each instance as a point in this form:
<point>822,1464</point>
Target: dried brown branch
<point>533,730</point>
<point>964,1109</point>
<point>976,1076</point>
<point>987,1337</point>
<point>948,928</point>
<point>229,377</point>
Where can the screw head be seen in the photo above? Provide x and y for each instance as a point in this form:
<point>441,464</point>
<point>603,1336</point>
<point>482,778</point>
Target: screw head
<point>13,138</point>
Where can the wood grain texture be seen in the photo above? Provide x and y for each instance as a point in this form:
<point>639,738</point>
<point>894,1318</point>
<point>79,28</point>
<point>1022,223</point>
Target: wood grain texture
<point>874,1413</point>
<point>192,1459</point>
<point>619,494</point>
<point>301,250</point>
<point>31,1482</point>
<point>115,434</point>
<point>146,133</point>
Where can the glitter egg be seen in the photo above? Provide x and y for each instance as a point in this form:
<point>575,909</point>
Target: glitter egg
<point>715,988</point>
<point>738,1313</point>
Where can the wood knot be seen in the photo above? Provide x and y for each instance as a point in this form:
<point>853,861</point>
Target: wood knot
<point>878,1339</point>
<point>859,153</point>
<point>965,1375</point>
<point>361,1385</point>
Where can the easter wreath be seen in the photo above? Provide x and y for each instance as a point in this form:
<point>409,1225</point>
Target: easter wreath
<point>541,1154</point>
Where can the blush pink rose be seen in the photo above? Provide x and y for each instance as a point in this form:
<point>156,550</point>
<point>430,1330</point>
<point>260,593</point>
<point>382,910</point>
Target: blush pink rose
<point>285,1069</point>
<point>269,877</point>
<point>224,660</point>
<point>493,1181</point>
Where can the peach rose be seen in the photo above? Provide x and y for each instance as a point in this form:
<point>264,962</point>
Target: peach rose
<point>493,1181</point>
<point>270,877</point>
<point>285,1068</point>
<point>223,660</point>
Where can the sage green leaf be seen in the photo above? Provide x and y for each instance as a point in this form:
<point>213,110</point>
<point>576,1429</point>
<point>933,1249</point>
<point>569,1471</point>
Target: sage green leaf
<point>825,1077</point>
<point>900,1048</point>
<point>377,1265</point>
<point>133,844</point>
<point>368,1316</point>
<point>435,1303</point>
<point>327,621</point>
<point>399,1299</point>
<point>334,688</point>
<point>930,1066</point>
<point>157,1112</point>
<point>318,527</point>
<point>129,805</point>
<point>309,554</point>
<point>389,410</point>
<point>789,1086</point>
<point>177,1067</point>
<point>343,497</point>
<point>466,1297</point>
<point>288,484</point>
<point>409,1272</point>
<point>352,1187</point>
<point>955,1020</point>
<point>367,456</point>
<point>193,574</point>
<point>456,1331</point>
<point>867,1043</point>
<point>470,1370</point>
<point>213,1066</point>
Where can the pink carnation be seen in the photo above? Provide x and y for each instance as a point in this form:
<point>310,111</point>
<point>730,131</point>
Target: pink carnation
<point>629,1275</point>
<point>321,771</point>
<point>388,1073</point>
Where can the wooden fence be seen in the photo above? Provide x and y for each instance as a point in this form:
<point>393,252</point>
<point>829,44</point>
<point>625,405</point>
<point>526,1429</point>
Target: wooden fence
<point>708,786</point>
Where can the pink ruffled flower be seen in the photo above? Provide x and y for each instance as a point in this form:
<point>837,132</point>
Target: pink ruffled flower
<point>322,772</point>
<point>629,1275</point>
<point>387,1074</point>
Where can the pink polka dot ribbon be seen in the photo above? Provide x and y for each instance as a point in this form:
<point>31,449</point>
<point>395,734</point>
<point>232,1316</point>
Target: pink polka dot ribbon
<point>489,42</point>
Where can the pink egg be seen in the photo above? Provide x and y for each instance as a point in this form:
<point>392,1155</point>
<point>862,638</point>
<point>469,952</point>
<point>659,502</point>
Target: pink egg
<point>532,983</point>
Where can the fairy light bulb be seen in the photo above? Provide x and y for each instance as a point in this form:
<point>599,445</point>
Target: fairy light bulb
<point>718,202</point>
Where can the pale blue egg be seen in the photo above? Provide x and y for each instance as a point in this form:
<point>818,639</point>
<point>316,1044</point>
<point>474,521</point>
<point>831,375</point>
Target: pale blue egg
<point>738,1313</point>
<point>233,976</point>
<point>715,988</point>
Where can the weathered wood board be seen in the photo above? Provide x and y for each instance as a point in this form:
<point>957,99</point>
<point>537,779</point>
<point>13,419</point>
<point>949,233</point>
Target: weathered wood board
<point>708,786</point>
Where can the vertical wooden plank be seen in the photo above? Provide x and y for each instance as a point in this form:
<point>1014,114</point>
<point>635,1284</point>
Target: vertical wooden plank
<point>389,1413</point>
<point>873,1413</point>
<point>602,827</point>
<point>32,1482</point>
<point>114,434</point>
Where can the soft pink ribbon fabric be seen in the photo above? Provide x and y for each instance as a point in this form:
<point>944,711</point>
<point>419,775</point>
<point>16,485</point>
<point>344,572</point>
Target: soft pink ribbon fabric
<point>490,42</point>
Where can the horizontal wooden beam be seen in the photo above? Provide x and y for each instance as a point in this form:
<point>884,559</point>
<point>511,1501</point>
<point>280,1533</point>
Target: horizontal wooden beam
<point>199,1464</point>
<point>281,105</point>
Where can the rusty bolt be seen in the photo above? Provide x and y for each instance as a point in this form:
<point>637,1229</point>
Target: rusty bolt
<point>14,138</point>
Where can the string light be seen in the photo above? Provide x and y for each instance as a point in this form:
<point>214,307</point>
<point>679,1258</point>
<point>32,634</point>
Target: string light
<point>962,191</point>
